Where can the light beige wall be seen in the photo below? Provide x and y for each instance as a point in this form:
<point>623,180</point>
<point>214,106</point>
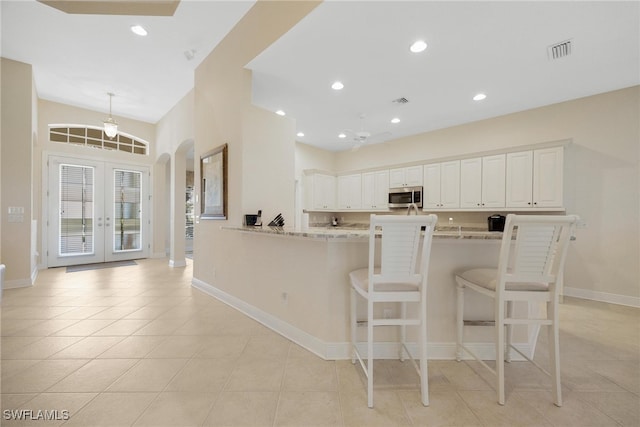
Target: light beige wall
<point>1,204</point>
<point>36,200</point>
<point>224,115</point>
<point>310,157</point>
<point>601,170</point>
<point>268,183</point>
<point>175,127</point>
<point>16,146</point>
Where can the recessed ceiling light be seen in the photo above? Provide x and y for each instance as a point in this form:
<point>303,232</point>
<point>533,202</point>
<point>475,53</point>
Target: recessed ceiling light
<point>300,134</point>
<point>395,120</point>
<point>479,97</point>
<point>280,113</point>
<point>337,86</point>
<point>342,135</point>
<point>139,30</point>
<point>418,46</point>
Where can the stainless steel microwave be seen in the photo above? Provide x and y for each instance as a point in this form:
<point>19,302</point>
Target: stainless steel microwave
<point>403,197</point>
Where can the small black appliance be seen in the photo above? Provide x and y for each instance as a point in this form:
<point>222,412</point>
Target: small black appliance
<point>496,222</point>
<point>252,220</point>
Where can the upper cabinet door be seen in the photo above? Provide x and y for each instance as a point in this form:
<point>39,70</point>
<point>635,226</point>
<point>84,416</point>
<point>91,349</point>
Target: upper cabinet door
<point>534,178</point>
<point>321,191</point>
<point>442,185</point>
<point>431,186</point>
<point>350,191</point>
<point>375,190</point>
<point>450,184</point>
<point>519,182</point>
<point>396,178</point>
<point>548,166</point>
<point>410,176</point>
<point>471,183</point>
<point>482,182</point>
<point>413,176</point>
<point>493,181</point>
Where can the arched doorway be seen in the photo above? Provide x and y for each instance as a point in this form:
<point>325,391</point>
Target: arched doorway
<point>178,171</point>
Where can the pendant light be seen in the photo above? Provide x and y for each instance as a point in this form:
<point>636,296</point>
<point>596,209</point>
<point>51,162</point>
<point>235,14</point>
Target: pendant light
<point>110,125</point>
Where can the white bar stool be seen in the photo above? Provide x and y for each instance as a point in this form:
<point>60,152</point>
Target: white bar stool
<point>401,277</point>
<point>530,268</point>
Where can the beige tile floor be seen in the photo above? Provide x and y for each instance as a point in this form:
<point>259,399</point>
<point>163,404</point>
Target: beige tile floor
<point>138,346</point>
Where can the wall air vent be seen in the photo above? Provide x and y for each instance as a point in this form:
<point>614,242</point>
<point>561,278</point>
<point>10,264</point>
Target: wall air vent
<point>559,50</point>
<point>402,100</point>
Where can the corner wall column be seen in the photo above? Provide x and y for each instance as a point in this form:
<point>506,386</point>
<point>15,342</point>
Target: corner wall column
<point>177,210</point>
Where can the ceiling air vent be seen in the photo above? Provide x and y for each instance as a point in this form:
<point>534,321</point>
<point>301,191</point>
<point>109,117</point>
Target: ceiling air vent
<point>559,50</point>
<point>402,100</point>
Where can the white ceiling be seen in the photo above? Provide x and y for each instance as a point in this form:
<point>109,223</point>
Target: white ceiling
<point>499,48</point>
<point>78,59</point>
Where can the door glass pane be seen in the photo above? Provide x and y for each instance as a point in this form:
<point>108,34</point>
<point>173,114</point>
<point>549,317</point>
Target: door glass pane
<point>76,210</point>
<point>127,203</point>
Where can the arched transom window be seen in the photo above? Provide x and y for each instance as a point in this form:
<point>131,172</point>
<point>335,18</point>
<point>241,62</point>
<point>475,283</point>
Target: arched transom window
<point>93,136</point>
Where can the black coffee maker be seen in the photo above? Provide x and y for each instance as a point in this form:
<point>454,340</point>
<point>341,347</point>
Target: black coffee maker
<point>496,222</point>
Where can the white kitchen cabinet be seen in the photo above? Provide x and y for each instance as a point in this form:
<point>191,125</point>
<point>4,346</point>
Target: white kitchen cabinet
<point>548,167</point>
<point>534,178</point>
<point>519,185</point>
<point>493,181</point>
<point>375,190</point>
<point>350,191</point>
<point>471,183</point>
<point>320,192</point>
<point>442,185</point>
<point>410,176</point>
<point>482,182</point>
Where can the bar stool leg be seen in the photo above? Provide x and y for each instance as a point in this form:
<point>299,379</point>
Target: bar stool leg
<point>554,351</point>
<point>459,321</point>
<point>354,325</point>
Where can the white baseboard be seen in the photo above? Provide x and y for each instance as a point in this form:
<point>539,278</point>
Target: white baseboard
<point>34,275</point>
<point>177,263</point>
<point>158,255</point>
<point>341,350</point>
<point>294,334</point>
<point>17,283</point>
<point>602,297</point>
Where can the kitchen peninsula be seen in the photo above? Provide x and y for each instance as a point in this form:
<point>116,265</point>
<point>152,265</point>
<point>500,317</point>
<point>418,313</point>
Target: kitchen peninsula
<point>295,282</point>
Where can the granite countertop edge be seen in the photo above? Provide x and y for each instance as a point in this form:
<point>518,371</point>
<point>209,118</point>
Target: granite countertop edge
<point>344,233</point>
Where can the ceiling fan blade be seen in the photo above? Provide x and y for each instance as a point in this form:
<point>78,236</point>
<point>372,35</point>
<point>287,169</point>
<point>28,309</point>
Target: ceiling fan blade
<point>380,135</point>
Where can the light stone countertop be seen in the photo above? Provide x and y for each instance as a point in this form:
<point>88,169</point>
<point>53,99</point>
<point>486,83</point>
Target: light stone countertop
<point>359,233</point>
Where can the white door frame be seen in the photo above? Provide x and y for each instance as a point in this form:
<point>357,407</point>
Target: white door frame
<point>105,251</point>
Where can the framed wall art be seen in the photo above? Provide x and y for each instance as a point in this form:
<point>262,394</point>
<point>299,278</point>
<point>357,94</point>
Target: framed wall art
<point>213,177</point>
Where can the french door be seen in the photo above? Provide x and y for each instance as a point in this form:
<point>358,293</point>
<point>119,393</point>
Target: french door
<point>98,211</point>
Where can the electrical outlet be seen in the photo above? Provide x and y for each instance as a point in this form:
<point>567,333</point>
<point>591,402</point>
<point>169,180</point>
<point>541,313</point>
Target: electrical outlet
<point>387,313</point>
